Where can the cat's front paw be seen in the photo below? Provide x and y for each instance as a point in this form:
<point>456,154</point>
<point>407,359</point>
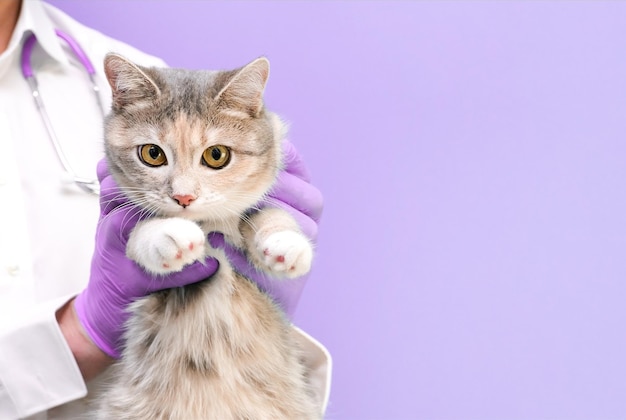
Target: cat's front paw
<point>166,245</point>
<point>286,253</point>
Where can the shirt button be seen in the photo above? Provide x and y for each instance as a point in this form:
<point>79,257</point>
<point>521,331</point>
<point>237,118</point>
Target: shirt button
<point>13,270</point>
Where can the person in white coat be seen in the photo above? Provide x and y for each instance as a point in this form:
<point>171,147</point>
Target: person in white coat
<point>50,351</point>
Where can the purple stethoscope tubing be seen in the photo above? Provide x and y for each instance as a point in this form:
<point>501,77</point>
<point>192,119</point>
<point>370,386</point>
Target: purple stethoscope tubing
<point>29,44</point>
<point>88,185</point>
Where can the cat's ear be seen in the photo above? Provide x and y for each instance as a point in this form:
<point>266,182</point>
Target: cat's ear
<point>244,91</point>
<point>129,83</point>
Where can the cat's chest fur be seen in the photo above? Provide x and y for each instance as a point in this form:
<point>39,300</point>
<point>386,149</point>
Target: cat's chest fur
<point>230,228</point>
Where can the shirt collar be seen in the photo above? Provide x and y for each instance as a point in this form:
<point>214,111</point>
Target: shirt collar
<point>33,19</point>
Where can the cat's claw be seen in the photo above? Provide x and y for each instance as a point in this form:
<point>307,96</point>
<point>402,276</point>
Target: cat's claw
<point>287,253</point>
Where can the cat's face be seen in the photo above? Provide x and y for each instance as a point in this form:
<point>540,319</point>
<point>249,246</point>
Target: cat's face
<point>191,144</point>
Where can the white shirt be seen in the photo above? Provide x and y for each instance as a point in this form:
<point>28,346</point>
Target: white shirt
<point>47,225</point>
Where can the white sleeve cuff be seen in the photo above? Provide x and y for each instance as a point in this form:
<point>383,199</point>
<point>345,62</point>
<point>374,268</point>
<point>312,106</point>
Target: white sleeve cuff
<point>319,366</point>
<point>37,368</point>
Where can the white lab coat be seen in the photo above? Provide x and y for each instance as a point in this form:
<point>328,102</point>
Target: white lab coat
<point>47,226</point>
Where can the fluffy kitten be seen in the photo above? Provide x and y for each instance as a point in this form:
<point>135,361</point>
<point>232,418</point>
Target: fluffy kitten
<point>199,150</point>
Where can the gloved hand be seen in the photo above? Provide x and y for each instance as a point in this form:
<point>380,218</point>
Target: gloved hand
<point>293,193</point>
<point>115,280</point>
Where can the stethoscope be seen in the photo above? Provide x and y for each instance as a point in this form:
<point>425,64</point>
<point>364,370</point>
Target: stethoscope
<point>86,184</point>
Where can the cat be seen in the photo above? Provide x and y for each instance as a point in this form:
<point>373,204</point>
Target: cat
<point>198,150</point>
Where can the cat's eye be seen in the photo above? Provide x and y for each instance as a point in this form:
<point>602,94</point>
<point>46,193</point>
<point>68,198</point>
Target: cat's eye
<point>216,157</point>
<point>152,155</point>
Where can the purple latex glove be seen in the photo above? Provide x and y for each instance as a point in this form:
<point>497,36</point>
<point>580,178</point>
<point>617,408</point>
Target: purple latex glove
<point>293,193</point>
<point>115,280</point>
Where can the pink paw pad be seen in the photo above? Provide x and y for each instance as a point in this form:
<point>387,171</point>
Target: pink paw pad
<point>279,258</point>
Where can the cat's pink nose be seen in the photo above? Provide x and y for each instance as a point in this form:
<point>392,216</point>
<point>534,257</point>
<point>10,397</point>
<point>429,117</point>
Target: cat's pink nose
<point>184,200</point>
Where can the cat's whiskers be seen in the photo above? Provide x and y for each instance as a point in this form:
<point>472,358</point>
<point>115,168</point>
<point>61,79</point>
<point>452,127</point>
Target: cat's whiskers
<point>145,205</point>
<point>142,207</point>
<point>247,220</point>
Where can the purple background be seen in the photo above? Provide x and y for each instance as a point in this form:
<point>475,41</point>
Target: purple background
<point>472,155</point>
